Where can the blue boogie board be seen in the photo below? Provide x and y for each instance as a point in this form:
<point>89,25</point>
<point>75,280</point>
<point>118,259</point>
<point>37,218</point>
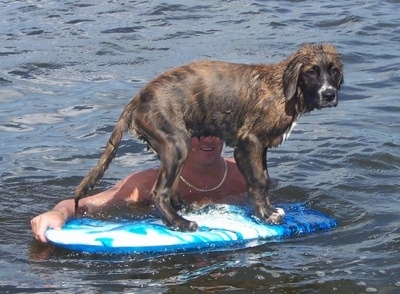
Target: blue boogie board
<point>221,226</point>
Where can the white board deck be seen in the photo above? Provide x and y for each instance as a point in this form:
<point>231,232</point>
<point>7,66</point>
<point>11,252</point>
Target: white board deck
<point>220,226</point>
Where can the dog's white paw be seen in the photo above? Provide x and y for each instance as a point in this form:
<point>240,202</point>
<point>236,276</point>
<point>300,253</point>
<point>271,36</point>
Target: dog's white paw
<point>277,216</point>
<point>281,212</point>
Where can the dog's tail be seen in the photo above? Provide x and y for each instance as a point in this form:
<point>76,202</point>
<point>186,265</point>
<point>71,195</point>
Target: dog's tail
<point>108,155</point>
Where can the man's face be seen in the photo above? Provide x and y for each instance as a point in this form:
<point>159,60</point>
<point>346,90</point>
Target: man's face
<point>206,149</point>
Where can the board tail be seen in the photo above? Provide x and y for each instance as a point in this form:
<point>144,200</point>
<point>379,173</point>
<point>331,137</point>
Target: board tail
<point>108,155</point>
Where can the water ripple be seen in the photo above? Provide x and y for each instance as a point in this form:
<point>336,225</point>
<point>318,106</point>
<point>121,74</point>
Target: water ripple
<point>68,68</point>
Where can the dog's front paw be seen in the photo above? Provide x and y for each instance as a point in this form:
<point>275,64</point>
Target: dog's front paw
<point>274,217</point>
<point>186,226</point>
<point>277,217</point>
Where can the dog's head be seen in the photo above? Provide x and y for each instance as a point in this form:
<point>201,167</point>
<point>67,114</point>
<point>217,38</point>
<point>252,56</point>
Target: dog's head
<point>314,73</point>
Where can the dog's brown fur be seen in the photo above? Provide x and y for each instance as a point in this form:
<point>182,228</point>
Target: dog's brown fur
<point>251,107</point>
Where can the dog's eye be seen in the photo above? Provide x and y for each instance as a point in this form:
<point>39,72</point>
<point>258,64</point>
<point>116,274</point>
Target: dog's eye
<point>334,70</point>
<point>312,71</point>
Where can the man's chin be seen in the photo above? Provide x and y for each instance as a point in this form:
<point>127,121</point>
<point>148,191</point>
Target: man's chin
<point>209,155</point>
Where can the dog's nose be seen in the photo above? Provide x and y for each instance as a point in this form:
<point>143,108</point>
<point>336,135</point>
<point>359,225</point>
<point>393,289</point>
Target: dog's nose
<point>328,95</point>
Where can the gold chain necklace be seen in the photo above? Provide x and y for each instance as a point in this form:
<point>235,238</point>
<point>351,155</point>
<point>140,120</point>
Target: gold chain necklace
<point>211,189</point>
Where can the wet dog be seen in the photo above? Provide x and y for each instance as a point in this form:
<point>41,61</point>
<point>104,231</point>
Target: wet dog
<point>250,107</point>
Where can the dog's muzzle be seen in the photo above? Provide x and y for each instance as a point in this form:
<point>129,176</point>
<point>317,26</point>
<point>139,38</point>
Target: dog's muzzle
<point>328,97</point>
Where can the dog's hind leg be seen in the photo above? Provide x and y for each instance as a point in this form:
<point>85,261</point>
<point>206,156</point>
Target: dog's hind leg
<point>173,153</point>
<point>250,157</point>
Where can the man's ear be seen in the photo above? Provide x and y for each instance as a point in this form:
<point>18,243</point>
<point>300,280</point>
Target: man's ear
<point>291,79</point>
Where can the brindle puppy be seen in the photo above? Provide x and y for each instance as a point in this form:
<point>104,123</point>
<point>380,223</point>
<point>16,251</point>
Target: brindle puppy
<point>250,107</point>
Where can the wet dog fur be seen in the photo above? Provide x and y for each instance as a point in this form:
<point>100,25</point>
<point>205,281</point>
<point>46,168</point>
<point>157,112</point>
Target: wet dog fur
<point>250,107</point>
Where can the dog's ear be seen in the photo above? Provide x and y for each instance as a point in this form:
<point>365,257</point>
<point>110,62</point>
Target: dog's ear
<point>291,79</point>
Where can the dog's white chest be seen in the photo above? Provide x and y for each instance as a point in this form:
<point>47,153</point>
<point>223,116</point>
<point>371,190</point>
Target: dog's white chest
<point>286,134</point>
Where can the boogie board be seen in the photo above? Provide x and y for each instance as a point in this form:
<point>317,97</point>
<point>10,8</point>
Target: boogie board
<point>221,226</point>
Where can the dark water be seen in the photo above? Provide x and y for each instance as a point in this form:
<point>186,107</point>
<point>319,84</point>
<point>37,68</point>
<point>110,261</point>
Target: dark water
<point>67,69</point>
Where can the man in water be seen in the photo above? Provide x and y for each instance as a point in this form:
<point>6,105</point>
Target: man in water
<point>206,177</point>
